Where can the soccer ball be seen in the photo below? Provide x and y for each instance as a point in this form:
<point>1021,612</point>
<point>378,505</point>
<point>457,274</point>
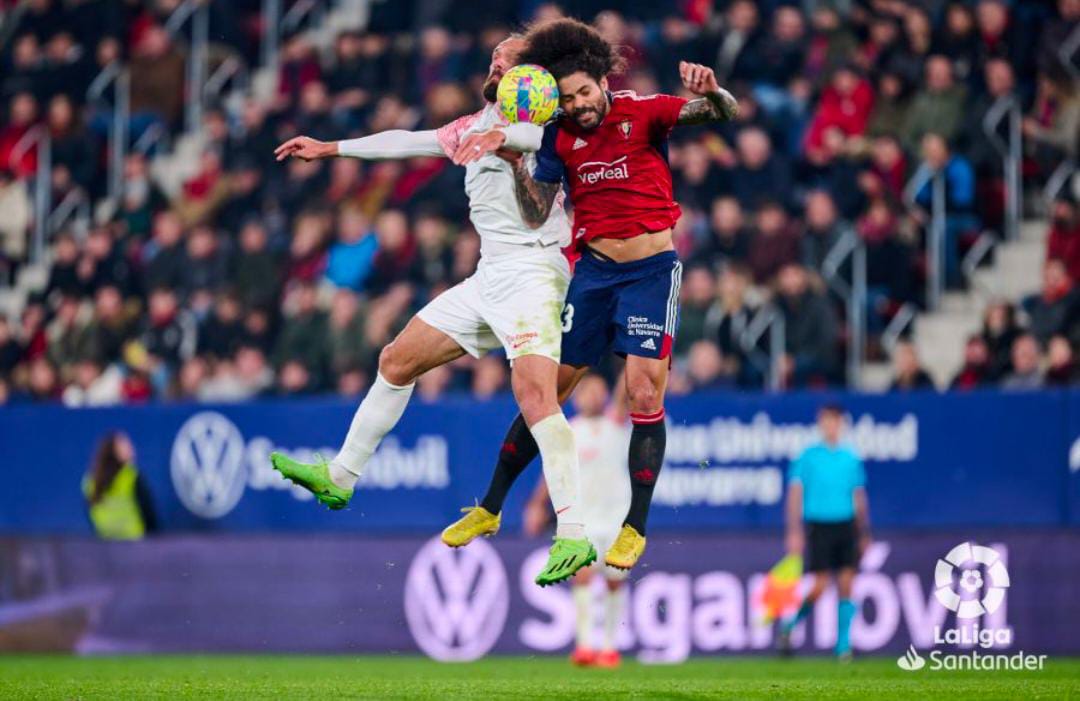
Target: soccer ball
<point>527,93</point>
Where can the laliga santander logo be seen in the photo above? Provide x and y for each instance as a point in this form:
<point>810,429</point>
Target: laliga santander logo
<point>207,465</point>
<point>456,601</point>
<point>971,581</point>
<point>966,603</point>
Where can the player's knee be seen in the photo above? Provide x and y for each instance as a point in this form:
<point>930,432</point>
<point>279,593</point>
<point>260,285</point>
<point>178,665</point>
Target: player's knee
<point>535,401</point>
<point>395,366</point>
<point>643,395</point>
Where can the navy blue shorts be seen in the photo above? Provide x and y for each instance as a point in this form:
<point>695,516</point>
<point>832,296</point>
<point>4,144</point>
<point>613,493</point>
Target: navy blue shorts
<point>831,546</point>
<point>631,308</point>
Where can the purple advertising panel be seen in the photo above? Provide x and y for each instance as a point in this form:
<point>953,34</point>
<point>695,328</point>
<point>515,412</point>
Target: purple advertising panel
<point>691,595</point>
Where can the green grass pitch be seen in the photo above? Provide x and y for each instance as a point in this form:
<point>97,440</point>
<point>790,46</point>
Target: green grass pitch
<point>293,677</point>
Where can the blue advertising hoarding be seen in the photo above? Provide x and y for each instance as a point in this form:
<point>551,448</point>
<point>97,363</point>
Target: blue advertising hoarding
<point>691,595</point>
<point>1071,496</point>
<point>932,460</point>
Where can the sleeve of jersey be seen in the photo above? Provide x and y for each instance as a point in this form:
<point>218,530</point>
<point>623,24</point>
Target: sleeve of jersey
<point>664,112</point>
<point>449,135</point>
<point>795,470</point>
<point>549,167</point>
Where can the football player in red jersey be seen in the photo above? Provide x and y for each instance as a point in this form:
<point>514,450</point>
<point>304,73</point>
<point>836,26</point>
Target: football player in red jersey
<point>610,149</point>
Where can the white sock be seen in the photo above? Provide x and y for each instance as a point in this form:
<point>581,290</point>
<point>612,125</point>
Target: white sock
<point>582,596</point>
<point>558,452</point>
<point>613,606</point>
<point>377,415</point>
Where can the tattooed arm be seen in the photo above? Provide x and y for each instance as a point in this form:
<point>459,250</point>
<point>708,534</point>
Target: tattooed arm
<point>719,106</point>
<point>715,103</point>
<point>535,198</point>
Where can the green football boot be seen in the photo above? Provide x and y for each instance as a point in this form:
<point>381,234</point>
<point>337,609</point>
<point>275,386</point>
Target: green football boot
<point>314,478</point>
<point>565,558</point>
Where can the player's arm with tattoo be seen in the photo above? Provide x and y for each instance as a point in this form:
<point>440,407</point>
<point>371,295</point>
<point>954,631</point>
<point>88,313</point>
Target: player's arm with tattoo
<point>715,103</point>
<point>535,198</point>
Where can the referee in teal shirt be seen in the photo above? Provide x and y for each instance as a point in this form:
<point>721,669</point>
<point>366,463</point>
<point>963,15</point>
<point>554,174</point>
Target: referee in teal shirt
<point>827,495</point>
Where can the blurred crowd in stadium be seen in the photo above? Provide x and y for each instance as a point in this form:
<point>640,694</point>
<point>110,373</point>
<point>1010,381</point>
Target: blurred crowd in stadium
<point>259,278</point>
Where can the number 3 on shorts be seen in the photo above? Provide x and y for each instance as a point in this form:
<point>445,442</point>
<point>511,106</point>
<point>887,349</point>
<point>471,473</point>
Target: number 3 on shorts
<point>567,318</point>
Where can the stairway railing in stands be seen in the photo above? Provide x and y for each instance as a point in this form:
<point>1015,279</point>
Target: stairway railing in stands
<point>767,320</point>
<point>849,252</point>
<point>1009,149</point>
<point>116,77</point>
<point>39,140</point>
<point>935,230</point>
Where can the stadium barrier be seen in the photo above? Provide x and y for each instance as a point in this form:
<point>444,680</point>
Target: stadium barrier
<point>933,461</point>
<point>692,595</point>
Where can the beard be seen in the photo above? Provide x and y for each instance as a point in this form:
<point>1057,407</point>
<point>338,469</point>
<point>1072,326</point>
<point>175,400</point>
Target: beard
<point>491,89</point>
<point>588,113</point>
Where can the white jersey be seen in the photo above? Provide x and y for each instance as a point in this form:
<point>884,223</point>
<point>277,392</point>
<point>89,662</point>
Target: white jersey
<point>602,445</point>
<point>516,296</point>
<point>489,183</point>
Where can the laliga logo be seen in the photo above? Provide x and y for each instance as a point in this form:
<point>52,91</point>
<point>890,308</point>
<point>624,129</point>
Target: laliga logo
<point>971,581</point>
<point>207,465</point>
<point>456,601</point>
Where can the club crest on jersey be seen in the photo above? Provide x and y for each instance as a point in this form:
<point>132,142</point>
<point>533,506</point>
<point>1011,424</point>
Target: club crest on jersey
<point>626,126</point>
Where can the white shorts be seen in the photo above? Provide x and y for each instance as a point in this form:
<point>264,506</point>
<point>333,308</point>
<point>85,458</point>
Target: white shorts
<point>513,300</point>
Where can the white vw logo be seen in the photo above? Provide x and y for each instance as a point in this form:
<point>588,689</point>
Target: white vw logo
<point>207,465</point>
<point>456,601</point>
<point>971,580</point>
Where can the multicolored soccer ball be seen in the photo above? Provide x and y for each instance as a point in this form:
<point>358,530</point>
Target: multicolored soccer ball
<point>528,93</point>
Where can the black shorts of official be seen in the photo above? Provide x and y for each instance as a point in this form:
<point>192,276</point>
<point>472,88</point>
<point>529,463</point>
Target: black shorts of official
<point>831,546</point>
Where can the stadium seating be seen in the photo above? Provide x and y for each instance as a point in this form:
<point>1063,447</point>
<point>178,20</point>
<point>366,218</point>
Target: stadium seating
<point>151,248</point>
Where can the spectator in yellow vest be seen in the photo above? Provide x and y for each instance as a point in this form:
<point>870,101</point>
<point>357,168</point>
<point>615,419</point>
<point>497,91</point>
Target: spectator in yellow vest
<point>117,499</point>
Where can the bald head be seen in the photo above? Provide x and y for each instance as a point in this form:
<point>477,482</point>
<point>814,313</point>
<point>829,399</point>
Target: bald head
<point>503,58</point>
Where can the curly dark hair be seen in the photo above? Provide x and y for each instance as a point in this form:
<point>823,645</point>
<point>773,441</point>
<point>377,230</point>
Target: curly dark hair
<point>566,46</point>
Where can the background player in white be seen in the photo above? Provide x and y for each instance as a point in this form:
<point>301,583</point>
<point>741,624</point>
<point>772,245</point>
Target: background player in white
<point>602,437</point>
<point>514,299</point>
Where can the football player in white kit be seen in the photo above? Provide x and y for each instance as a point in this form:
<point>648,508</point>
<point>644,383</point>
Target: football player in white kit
<point>602,437</point>
<point>514,300</point>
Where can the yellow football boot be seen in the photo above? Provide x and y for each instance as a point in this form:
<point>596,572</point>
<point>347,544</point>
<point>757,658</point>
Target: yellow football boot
<point>626,549</point>
<point>476,522</point>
